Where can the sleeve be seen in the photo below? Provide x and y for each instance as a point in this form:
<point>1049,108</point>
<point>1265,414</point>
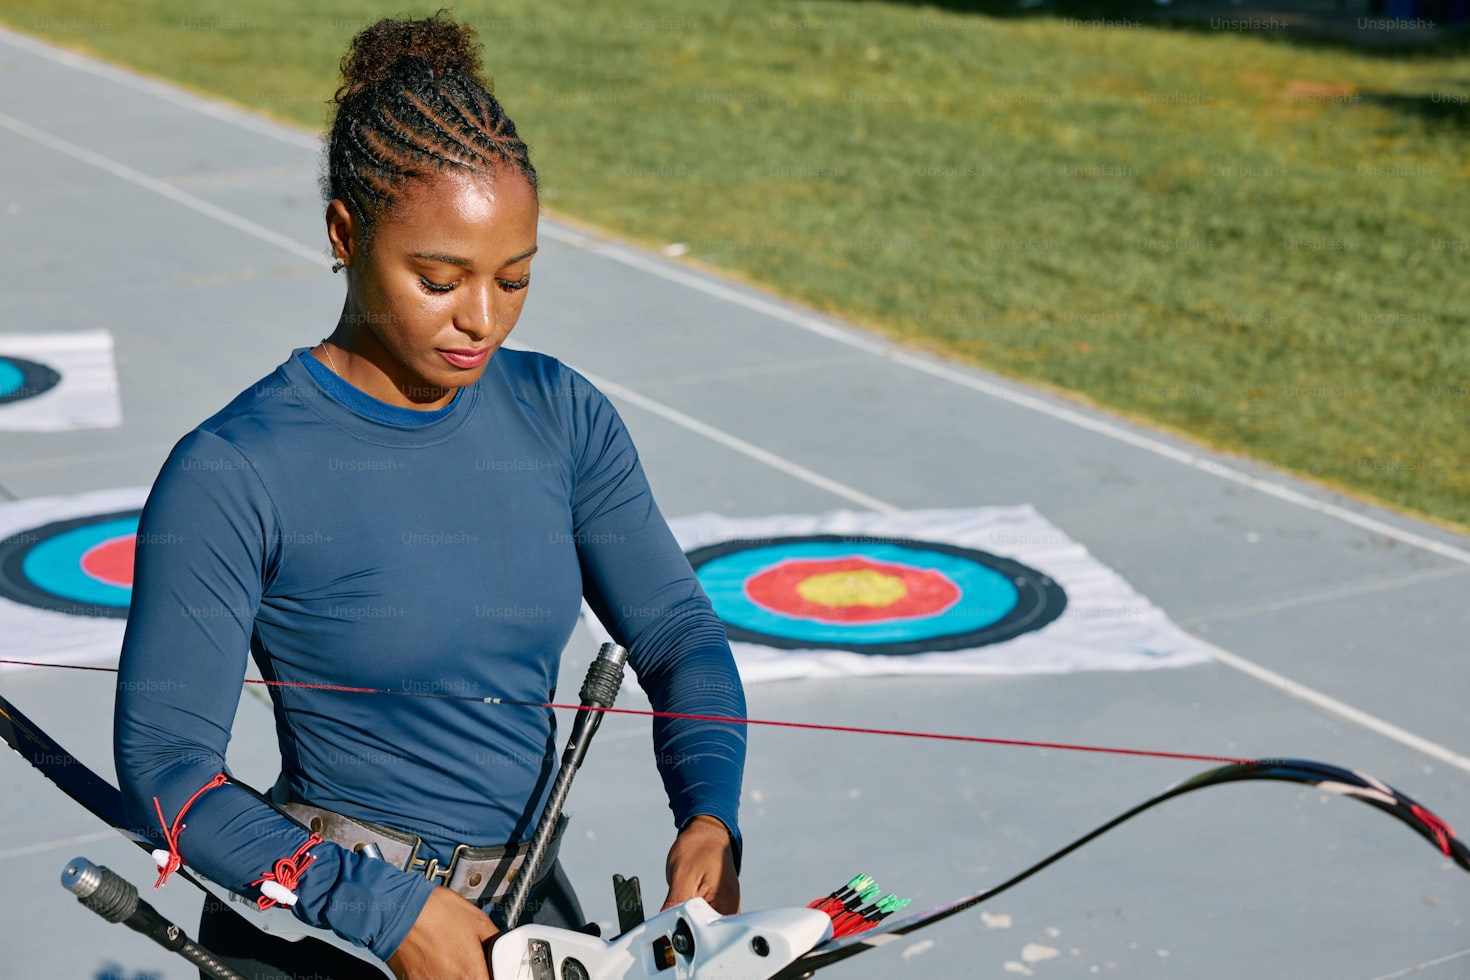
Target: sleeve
<point>206,544</point>
<point>638,581</point>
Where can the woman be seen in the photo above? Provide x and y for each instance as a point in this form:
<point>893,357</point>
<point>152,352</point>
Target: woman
<point>407,507</point>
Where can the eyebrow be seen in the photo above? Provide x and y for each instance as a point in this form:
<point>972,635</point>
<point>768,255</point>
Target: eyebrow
<point>466,263</point>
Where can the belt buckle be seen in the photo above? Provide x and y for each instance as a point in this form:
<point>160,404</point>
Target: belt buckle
<point>430,869</point>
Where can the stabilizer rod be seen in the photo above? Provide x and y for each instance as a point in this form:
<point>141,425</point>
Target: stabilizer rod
<point>113,897</point>
<point>599,690</point>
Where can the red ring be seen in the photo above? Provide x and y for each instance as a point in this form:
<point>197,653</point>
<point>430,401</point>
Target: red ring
<point>927,592</point>
<point>111,562</point>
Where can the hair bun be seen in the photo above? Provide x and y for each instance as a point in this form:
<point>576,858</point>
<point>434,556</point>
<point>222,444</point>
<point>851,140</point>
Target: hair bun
<point>391,48</point>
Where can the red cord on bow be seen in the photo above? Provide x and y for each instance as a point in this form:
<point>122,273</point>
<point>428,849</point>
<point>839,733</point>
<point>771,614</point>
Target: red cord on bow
<point>171,834</point>
<point>1441,830</point>
<point>287,871</point>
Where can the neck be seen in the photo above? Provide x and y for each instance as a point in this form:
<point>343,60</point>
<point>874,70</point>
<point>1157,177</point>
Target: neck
<point>358,357</point>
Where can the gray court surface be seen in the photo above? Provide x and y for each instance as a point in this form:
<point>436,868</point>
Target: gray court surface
<point>193,233</point>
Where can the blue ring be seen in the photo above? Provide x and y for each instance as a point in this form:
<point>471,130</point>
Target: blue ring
<point>55,565</point>
<point>11,377</point>
<point>986,595</point>
<point>21,379</point>
<point>1039,600</point>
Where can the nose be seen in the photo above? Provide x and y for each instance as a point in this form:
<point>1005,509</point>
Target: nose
<point>475,315</point>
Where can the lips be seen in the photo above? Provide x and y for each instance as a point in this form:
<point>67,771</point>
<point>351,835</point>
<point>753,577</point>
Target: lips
<point>465,357</point>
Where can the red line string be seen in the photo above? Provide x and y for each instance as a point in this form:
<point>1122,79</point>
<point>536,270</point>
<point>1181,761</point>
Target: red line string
<point>908,734</point>
<point>810,726</point>
<point>171,834</point>
<point>287,871</point>
<point>35,663</point>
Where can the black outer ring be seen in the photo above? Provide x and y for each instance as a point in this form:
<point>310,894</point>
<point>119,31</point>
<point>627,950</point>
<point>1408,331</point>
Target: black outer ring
<point>35,379</point>
<point>1039,599</point>
<point>14,584</point>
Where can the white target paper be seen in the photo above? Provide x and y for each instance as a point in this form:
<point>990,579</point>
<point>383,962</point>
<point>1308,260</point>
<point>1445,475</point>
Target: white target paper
<point>1106,624</point>
<point>85,396</point>
<point>49,636</point>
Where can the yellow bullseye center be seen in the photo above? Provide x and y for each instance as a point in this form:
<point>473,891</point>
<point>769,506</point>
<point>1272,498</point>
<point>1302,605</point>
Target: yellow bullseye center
<point>863,587</point>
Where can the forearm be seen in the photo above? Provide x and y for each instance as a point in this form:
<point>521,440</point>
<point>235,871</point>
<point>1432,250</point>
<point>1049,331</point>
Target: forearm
<point>690,671</point>
<point>234,838</point>
<point>639,583</point>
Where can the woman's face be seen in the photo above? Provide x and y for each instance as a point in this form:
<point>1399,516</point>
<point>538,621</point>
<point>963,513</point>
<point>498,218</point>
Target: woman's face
<point>439,286</point>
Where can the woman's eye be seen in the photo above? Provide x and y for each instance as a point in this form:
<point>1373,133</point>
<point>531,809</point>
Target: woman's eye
<point>435,287</point>
<point>511,285</point>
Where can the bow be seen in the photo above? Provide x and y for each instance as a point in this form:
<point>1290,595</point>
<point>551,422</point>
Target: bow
<point>1326,777</point>
<point>103,800</point>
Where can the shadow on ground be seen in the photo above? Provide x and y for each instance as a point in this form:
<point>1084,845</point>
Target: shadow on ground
<point>1438,27</point>
<point>1448,111</point>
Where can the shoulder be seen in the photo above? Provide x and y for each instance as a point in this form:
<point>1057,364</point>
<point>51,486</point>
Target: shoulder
<point>233,437</point>
<point>529,370</point>
<point>546,383</point>
<point>218,475</point>
<point>578,410</point>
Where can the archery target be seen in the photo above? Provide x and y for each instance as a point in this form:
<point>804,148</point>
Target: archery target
<point>21,379</point>
<point>971,590</point>
<point>891,597</point>
<point>66,572</point>
<point>82,566</point>
<point>50,382</point>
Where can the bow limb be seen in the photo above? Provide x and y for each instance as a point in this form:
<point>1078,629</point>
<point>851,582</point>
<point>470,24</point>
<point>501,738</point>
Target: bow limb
<point>104,801</point>
<point>1326,777</point>
<point>72,777</point>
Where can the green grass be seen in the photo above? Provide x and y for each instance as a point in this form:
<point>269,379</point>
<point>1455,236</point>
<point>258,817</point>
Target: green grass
<point>1044,198</point>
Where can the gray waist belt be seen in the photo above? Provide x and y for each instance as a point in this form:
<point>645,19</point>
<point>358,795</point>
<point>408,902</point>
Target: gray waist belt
<point>481,874</point>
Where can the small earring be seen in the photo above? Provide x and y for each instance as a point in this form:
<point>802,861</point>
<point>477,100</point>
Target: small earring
<point>338,266</point>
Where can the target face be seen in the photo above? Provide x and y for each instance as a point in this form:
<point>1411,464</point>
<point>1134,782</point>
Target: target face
<point>894,597</point>
<point>82,566</point>
<point>21,379</point>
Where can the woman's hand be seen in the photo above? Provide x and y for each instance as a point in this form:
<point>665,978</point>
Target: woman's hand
<point>450,938</point>
<point>702,864</point>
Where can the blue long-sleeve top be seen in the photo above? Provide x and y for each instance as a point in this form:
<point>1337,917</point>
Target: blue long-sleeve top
<point>344,541</point>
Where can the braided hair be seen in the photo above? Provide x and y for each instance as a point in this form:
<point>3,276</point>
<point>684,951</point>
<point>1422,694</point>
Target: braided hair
<point>412,103</point>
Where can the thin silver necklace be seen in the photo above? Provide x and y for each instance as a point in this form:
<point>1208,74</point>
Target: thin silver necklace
<point>330,363</point>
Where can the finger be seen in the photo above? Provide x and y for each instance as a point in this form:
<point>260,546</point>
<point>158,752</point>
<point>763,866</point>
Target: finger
<point>727,901</point>
<point>724,900</point>
<point>683,887</point>
<point>676,896</point>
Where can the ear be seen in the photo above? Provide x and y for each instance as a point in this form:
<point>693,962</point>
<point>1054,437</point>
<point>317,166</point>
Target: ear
<point>342,232</point>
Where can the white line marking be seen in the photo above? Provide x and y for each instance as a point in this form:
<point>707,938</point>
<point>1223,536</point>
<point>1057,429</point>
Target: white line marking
<point>1336,707</point>
<point>146,182</point>
<point>52,845</point>
<point>228,113</point>
<point>740,445</point>
<point>1424,966</point>
<point>767,370</point>
<point>163,91</point>
<point>893,352</point>
<point>1239,611</point>
<point>227,177</point>
<point>755,452</point>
